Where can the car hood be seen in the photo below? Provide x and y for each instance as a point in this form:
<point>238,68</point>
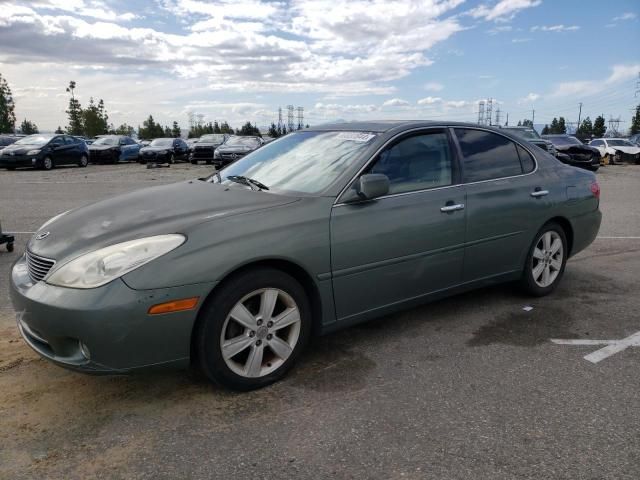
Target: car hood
<point>206,144</point>
<point>577,149</point>
<point>101,147</point>
<point>21,149</point>
<point>174,208</point>
<point>155,149</point>
<point>235,149</point>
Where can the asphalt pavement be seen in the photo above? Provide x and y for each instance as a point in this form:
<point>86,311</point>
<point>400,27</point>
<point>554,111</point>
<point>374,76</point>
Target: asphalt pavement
<point>467,387</point>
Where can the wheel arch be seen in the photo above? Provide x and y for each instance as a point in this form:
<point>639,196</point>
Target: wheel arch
<point>568,230</point>
<point>287,266</point>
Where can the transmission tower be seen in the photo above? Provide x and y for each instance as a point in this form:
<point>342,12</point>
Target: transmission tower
<point>614,125</point>
<point>481,112</point>
<point>191,120</point>
<point>279,118</point>
<point>200,118</point>
<point>290,124</point>
<point>300,117</point>
<point>498,112</point>
<point>488,112</point>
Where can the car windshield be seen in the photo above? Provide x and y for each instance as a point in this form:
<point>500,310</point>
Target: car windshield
<point>249,141</point>
<point>564,141</point>
<point>106,141</point>
<point>34,140</point>
<point>304,162</point>
<point>215,138</point>
<point>161,142</point>
<point>619,143</point>
<point>526,133</point>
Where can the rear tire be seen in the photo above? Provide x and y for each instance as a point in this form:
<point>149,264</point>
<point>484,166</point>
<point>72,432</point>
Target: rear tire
<point>259,333</point>
<point>546,261</point>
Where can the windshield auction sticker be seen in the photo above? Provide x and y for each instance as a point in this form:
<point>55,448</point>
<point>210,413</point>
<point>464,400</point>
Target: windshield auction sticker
<point>361,137</point>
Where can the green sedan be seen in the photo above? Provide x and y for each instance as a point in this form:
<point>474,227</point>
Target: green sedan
<point>319,230</point>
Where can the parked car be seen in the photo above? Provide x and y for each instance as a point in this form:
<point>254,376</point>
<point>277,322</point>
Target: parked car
<point>531,135</point>
<point>617,150</point>
<point>635,139</point>
<point>204,149</point>
<point>6,140</point>
<point>144,143</point>
<point>321,229</point>
<point>165,150</point>
<point>191,143</point>
<point>573,152</point>
<point>113,149</point>
<point>234,148</point>
<point>44,151</point>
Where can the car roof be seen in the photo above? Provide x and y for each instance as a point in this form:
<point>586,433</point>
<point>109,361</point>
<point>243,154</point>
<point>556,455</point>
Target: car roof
<point>381,126</point>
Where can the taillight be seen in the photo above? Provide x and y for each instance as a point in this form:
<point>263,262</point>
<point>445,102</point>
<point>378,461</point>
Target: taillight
<point>595,189</point>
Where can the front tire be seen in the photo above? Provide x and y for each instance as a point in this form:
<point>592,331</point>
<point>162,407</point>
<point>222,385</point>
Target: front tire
<point>546,261</point>
<point>251,332</point>
<point>47,163</point>
<point>84,161</point>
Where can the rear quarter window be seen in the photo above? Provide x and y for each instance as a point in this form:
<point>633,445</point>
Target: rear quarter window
<point>526,160</point>
<point>487,156</point>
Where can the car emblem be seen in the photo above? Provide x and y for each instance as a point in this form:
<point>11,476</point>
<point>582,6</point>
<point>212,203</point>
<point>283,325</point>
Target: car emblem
<point>42,235</point>
<point>233,155</point>
<point>12,153</point>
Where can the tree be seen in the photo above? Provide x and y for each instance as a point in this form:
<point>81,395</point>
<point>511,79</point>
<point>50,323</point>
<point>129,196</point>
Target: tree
<point>273,131</point>
<point>95,119</point>
<point>527,123</point>
<point>167,132</point>
<point>216,127</point>
<point>28,128</point>
<point>546,130</point>
<point>225,128</point>
<point>585,130</point>
<point>7,108</point>
<point>150,129</point>
<point>175,130</point>
<point>74,112</point>
<point>248,129</point>
<point>124,129</point>
<point>635,122</point>
<point>59,130</point>
<point>553,128</point>
<point>562,127</point>
<point>599,128</point>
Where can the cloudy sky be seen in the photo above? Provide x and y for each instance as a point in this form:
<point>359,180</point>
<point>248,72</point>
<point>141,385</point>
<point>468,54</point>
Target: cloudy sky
<point>238,60</point>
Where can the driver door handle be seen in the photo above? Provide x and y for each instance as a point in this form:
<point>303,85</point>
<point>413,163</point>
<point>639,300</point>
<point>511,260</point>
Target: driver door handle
<point>452,208</point>
<point>539,193</point>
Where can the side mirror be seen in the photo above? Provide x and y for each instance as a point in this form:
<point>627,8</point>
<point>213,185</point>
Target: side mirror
<point>370,186</point>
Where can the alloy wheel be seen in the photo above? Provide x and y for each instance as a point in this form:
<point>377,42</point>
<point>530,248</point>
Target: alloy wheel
<point>260,332</point>
<point>548,255</point>
<point>47,163</point>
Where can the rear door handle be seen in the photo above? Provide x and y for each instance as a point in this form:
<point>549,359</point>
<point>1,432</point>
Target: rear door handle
<point>452,208</point>
<point>539,193</point>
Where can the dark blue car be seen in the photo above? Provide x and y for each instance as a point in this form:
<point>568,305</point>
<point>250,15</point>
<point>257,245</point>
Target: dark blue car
<point>45,151</point>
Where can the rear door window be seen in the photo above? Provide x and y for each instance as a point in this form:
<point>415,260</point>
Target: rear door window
<point>487,156</point>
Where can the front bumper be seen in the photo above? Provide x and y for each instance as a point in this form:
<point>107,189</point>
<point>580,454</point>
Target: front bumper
<point>110,321</point>
<point>18,161</point>
<point>155,157</point>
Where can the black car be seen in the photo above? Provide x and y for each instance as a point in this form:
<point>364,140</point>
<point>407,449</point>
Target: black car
<point>204,148</point>
<point>234,148</point>
<point>573,152</point>
<point>530,135</point>
<point>113,149</point>
<point>165,150</point>
<point>6,140</point>
<point>45,151</point>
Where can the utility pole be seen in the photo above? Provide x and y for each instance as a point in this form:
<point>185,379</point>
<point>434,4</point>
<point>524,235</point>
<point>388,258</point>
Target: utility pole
<point>533,116</point>
<point>579,115</point>
<point>507,124</point>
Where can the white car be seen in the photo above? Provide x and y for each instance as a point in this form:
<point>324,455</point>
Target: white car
<point>617,149</point>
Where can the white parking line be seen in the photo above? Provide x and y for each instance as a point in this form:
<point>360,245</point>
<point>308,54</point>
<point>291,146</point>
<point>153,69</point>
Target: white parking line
<point>612,346</point>
<point>618,238</point>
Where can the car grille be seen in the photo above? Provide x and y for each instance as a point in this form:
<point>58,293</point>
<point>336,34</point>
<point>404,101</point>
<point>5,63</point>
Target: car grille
<point>231,156</point>
<point>203,152</point>
<point>38,266</point>
<point>581,157</point>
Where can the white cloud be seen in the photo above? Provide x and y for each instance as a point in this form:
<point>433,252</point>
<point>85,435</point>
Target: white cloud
<point>504,10</point>
<point>92,9</point>
<point>500,29</point>
<point>555,28</point>
<point>429,101</point>
<point>625,16</point>
<point>395,102</point>
<point>520,40</point>
<point>458,103</point>
<point>619,73</point>
<point>532,97</point>
<point>433,86</point>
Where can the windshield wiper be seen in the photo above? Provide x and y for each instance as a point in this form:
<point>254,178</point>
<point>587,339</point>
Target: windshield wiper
<point>250,182</point>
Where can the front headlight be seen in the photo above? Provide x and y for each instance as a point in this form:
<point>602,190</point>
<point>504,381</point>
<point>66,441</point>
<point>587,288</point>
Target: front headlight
<point>98,268</point>
<point>216,154</point>
<point>33,152</point>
